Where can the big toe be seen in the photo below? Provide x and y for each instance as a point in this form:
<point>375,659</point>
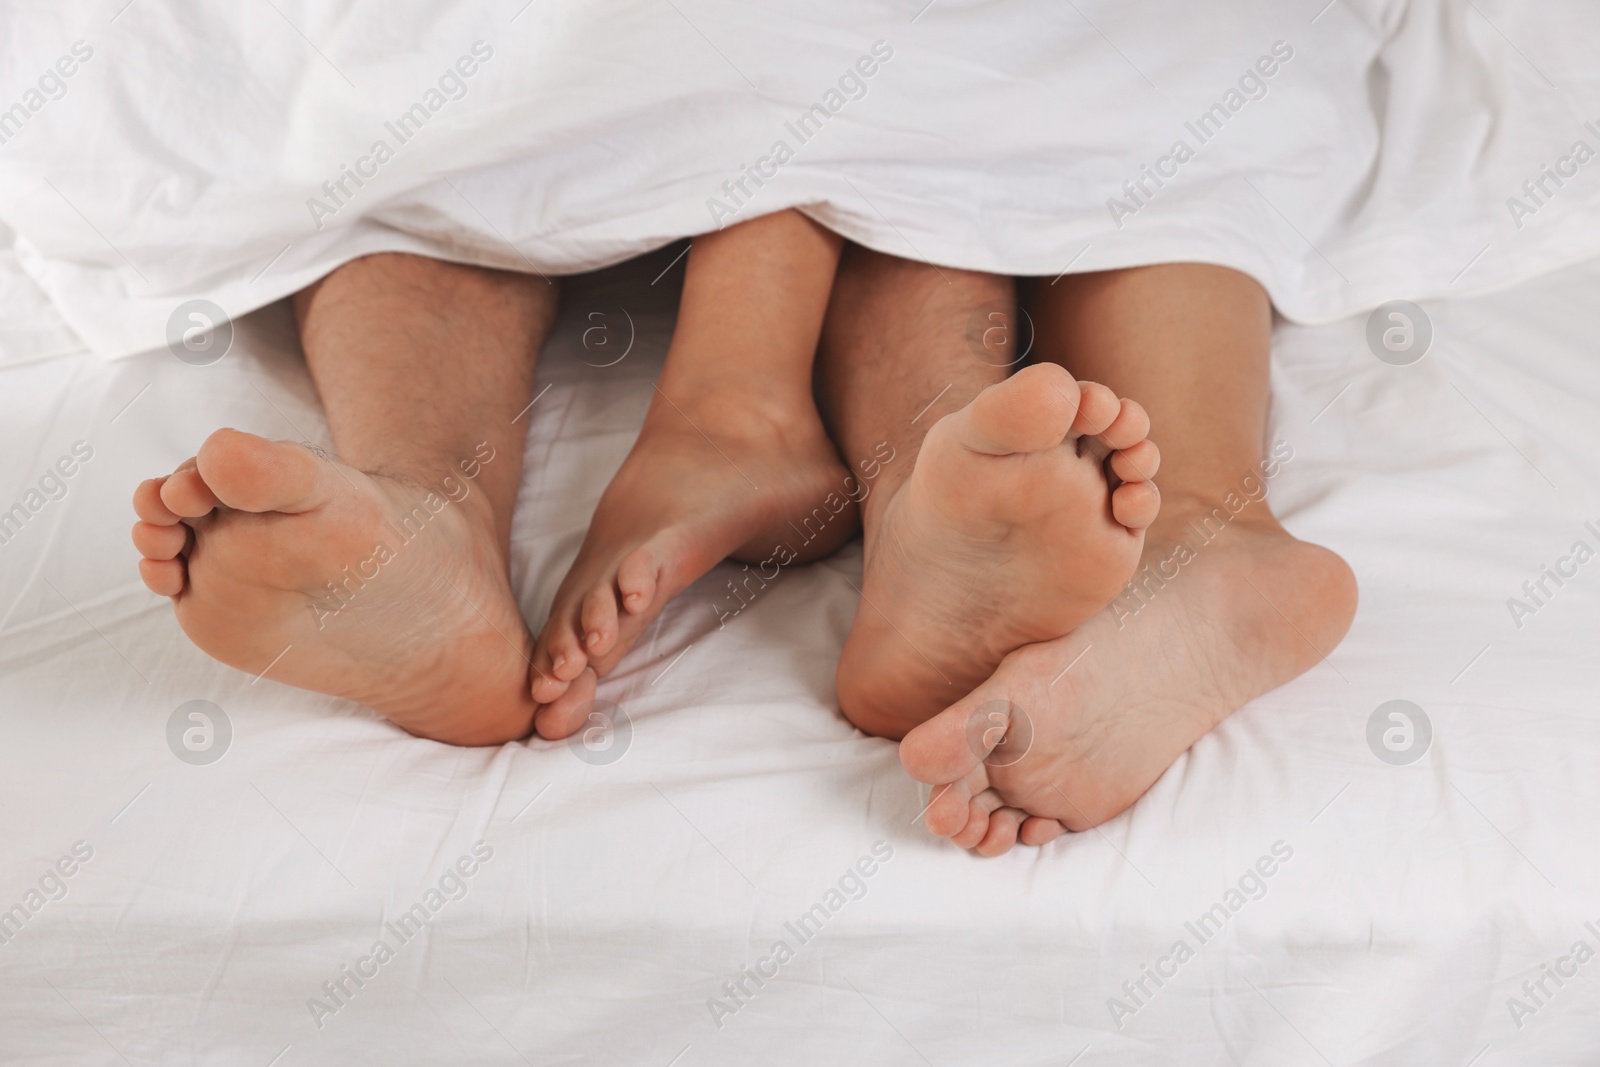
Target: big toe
<point>563,716</point>
<point>564,645</point>
<point>547,684</point>
<point>942,749</point>
<point>250,473</point>
<point>1031,411</point>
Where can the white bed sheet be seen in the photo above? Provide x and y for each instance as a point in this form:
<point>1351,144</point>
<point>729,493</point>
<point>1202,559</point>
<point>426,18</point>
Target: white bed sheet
<point>619,899</point>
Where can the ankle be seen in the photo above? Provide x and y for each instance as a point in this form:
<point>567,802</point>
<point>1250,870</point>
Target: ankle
<point>882,487</point>
<point>733,396</point>
<point>464,498</point>
<point>1257,566</point>
<point>1186,517</point>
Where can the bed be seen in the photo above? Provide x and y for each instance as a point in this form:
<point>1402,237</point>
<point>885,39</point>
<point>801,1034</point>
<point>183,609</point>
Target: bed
<point>218,897</point>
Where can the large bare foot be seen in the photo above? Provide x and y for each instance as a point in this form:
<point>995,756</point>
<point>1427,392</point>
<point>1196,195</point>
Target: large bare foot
<point>321,576</point>
<point>1012,528</point>
<point>721,475</point>
<point>1038,748</point>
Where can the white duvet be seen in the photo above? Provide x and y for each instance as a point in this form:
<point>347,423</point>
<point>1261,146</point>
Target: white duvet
<point>1344,154</point>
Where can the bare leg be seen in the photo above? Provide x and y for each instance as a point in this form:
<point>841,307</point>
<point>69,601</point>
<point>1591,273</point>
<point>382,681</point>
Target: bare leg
<point>732,459</point>
<point>1227,605</point>
<point>999,522</point>
<point>895,359</point>
<point>379,576</point>
<point>419,361</point>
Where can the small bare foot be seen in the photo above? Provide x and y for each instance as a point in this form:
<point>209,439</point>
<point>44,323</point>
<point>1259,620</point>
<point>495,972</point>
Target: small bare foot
<point>1012,528</point>
<point>327,578</point>
<point>1037,748</point>
<point>710,478</point>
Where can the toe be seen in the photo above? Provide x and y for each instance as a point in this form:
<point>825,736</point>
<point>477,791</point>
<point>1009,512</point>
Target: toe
<point>251,473</point>
<point>1130,426</point>
<point>563,716</point>
<point>978,815</point>
<point>1135,504</point>
<point>185,493</point>
<point>1002,832</point>
<point>947,747</point>
<point>546,684</point>
<point>636,581</point>
<point>1136,463</point>
<point>567,660</point>
<point>159,542</point>
<point>1098,408</point>
<point>1031,411</point>
<point>599,620</point>
<point>147,503</point>
<point>948,808</point>
<point>1037,830</point>
<point>554,641</point>
<point>163,576</point>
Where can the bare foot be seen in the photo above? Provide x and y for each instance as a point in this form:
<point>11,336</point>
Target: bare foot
<point>1037,748</point>
<point>327,578</point>
<point>1012,528</point>
<point>710,478</point>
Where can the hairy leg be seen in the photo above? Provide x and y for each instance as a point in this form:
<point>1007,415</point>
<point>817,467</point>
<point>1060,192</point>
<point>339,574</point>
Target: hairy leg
<point>379,575</point>
<point>419,361</point>
<point>903,346</point>
<point>1225,606</point>
<point>732,459</point>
